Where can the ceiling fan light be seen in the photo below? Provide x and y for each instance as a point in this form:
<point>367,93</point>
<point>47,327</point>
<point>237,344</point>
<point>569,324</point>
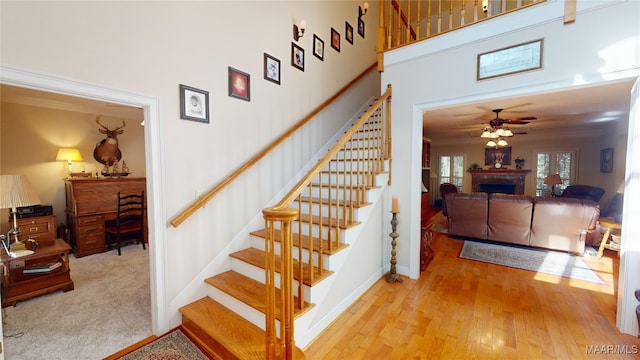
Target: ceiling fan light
<point>507,132</point>
<point>502,142</point>
<point>491,143</point>
<point>500,132</point>
<point>485,134</point>
<point>493,135</point>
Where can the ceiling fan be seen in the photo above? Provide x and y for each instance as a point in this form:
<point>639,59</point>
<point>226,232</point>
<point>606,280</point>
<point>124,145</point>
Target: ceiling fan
<point>497,129</point>
<point>497,122</point>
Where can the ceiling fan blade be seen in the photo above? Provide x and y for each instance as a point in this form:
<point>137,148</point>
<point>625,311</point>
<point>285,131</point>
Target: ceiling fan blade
<point>523,118</point>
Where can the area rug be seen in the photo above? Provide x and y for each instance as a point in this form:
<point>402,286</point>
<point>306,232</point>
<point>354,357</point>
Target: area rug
<point>547,262</point>
<point>174,345</point>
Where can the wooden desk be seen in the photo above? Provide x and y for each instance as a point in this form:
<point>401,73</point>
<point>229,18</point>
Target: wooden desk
<point>607,223</point>
<point>90,203</point>
<point>16,285</point>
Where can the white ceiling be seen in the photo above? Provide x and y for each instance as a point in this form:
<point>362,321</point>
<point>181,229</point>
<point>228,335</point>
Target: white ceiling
<point>25,96</point>
<point>568,112</point>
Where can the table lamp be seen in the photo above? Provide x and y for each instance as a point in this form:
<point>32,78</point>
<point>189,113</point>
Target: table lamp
<point>553,180</point>
<point>15,191</point>
<point>68,155</point>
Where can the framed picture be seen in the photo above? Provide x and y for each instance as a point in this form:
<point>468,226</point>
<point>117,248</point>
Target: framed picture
<point>297,57</point>
<point>500,156</point>
<point>194,104</point>
<point>318,47</point>
<point>271,69</point>
<point>335,39</point>
<point>606,160</point>
<point>239,84</point>
<point>510,60</point>
<point>361,27</point>
<point>348,30</point>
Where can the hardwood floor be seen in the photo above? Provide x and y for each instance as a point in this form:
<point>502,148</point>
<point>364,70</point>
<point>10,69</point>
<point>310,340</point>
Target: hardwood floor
<point>463,309</point>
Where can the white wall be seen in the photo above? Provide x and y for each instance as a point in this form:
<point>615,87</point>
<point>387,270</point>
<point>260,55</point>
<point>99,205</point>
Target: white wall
<point>149,48</point>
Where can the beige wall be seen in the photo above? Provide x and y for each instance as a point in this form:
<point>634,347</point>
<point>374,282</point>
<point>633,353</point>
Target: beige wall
<point>31,136</point>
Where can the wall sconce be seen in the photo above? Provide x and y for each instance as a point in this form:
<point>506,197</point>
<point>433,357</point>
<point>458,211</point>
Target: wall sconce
<point>68,155</point>
<point>362,10</point>
<point>298,31</point>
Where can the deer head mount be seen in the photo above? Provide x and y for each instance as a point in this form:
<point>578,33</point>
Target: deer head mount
<point>107,151</point>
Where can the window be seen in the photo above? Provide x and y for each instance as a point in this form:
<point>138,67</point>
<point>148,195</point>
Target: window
<point>554,162</point>
<point>452,170</point>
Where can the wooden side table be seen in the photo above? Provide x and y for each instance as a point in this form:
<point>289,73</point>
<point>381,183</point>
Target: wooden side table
<point>18,284</point>
<point>608,224</point>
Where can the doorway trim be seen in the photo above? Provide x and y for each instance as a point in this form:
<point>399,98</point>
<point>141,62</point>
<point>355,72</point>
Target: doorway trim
<point>25,78</point>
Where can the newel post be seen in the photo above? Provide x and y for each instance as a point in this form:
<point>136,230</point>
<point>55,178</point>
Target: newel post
<point>282,349</point>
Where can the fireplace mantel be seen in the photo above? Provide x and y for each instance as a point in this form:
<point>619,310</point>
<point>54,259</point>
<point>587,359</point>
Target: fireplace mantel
<point>499,177</point>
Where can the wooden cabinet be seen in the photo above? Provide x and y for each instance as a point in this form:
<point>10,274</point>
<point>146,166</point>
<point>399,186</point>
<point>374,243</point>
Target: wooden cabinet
<point>18,284</point>
<point>41,229</point>
<point>91,203</point>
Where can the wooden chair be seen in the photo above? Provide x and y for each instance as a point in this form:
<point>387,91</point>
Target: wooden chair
<point>129,222</point>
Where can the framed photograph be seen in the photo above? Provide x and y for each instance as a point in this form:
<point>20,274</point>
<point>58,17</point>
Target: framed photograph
<point>318,47</point>
<point>194,104</point>
<point>348,30</point>
<point>271,69</point>
<point>239,84</point>
<point>297,57</point>
<point>606,160</point>
<point>510,60</point>
<point>500,156</point>
<point>361,27</point>
<point>335,39</point>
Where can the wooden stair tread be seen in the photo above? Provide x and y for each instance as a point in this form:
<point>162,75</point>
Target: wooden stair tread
<point>305,240</point>
<point>224,333</point>
<point>256,257</point>
<point>342,186</point>
<point>325,201</point>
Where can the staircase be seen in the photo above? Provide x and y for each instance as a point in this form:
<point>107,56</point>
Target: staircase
<point>251,309</point>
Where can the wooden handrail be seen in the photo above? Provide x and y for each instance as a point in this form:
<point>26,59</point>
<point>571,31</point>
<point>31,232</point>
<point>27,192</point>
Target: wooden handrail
<point>297,189</point>
<point>323,217</point>
<point>202,201</point>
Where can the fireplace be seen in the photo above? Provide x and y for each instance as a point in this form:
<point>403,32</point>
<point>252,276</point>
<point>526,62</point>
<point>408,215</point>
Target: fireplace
<point>498,188</point>
<point>498,180</point>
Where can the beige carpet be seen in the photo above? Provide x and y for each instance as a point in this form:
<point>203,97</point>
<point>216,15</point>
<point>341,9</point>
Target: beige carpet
<point>109,310</point>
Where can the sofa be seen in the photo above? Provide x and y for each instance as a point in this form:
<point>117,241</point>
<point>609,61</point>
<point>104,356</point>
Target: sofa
<point>583,192</point>
<point>556,223</point>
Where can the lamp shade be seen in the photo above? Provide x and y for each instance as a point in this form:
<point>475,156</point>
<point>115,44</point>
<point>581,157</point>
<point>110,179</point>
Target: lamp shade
<point>68,154</point>
<point>553,179</point>
<point>16,191</point>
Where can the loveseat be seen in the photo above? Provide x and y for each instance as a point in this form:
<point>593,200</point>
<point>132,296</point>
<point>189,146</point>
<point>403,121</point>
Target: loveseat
<point>565,224</point>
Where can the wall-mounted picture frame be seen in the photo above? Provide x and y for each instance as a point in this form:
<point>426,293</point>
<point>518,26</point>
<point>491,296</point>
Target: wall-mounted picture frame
<point>348,31</point>
<point>335,39</point>
<point>510,60</point>
<point>271,69</point>
<point>501,155</point>
<point>361,27</point>
<point>297,57</point>
<point>194,104</point>
<point>606,160</point>
<point>239,84</point>
<point>318,47</point>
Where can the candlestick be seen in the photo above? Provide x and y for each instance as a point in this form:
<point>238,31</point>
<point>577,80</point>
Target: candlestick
<point>392,276</point>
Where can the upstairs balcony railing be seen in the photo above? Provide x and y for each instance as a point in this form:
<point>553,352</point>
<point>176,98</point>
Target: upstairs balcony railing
<point>409,21</point>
